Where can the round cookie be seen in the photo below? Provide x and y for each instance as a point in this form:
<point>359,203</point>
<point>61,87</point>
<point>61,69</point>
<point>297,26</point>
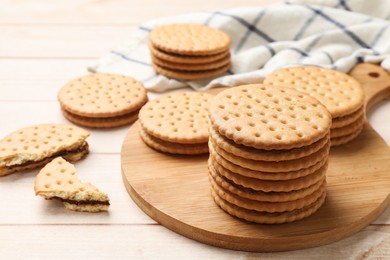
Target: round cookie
<point>177,118</point>
<point>264,155</point>
<point>102,95</point>
<point>269,117</point>
<point>277,176</point>
<point>264,206</point>
<point>340,93</point>
<point>189,39</point>
<point>108,122</point>
<point>267,166</point>
<point>174,148</point>
<point>187,59</point>
<point>191,75</point>
<point>268,186</point>
<point>261,195</point>
<point>336,141</point>
<point>266,217</point>
<point>348,129</point>
<point>191,67</point>
<point>347,119</point>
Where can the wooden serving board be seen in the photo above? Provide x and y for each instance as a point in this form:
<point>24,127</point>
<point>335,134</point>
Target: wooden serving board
<point>174,190</point>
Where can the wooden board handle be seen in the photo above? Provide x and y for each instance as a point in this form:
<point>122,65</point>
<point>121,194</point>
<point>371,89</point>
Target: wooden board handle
<point>375,81</point>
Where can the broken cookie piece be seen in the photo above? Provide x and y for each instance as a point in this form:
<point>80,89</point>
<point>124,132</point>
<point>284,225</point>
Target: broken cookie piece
<point>58,180</point>
<point>35,146</point>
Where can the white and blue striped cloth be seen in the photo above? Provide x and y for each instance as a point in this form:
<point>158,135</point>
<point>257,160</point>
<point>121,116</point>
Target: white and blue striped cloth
<point>335,34</point>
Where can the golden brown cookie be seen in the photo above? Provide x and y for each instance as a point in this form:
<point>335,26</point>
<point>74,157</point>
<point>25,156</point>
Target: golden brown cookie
<point>266,175</point>
<point>102,95</point>
<point>174,148</point>
<point>269,166</point>
<point>108,122</point>
<point>189,39</point>
<point>193,75</point>
<point>204,67</point>
<point>269,117</point>
<point>266,217</point>
<point>347,119</point>
<point>264,155</point>
<point>341,94</point>
<point>336,141</point>
<point>264,206</point>
<point>270,196</point>
<point>34,146</point>
<point>187,59</point>
<point>267,185</point>
<point>58,180</point>
<point>348,129</point>
<point>177,118</point>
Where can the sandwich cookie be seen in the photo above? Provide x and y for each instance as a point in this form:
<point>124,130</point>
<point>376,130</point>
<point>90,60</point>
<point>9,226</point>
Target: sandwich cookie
<point>102,100</point>
<point>189,51</point>
<point>341,94</point>
<point>58,180</point>
<point>33,147</point>
<point>176,123</point>
<point>269,149</point>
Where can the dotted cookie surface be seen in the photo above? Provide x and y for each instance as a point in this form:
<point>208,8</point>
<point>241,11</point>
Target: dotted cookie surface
<point>191,39</point>
<point>179,117</point>
<point>102,95</point>
<point>340,93</point>
<point>38,142</point>
<point>269,117</point>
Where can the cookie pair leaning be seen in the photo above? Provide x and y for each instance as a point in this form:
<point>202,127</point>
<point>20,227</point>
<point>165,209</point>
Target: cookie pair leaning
<point>33,147</point>
<point>342,95</point>
<point>269,149</point>
<point>102,100</point>
<point>176,123</point>
<point>189,51</point>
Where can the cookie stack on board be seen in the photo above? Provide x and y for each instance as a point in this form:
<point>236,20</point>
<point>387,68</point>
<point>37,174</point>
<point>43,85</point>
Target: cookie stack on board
<point>176,123</point>
<point>102,100</point>
<point>189,51</point>
<point>342,95</point>
<point>269,150</point>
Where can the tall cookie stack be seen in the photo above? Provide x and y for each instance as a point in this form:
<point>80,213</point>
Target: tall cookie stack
<point>269,150</point>
<point>342,95</point>
<point>189,51</point>
<point>176,123</point>
<point>102,100</point>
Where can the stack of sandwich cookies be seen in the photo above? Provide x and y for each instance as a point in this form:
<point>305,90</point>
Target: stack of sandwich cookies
<point>342,95</point>
<point>269,150</point>
<point>58,180</point>
<point>176,123</point>
<point>35,146</point>
<point>189,51</point>
<point>102,100</point>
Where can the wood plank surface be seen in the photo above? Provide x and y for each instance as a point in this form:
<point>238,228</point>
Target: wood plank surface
<point>118,12</point>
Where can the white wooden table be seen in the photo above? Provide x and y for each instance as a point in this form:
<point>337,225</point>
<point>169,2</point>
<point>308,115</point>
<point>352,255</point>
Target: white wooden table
<point>45,43</point>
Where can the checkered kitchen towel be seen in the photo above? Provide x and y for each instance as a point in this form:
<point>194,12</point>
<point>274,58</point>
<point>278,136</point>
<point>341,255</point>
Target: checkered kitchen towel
<point>335,34</point>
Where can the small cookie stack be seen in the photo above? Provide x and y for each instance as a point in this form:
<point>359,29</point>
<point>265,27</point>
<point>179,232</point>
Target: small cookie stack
<point>102,100</point>
<point>176,123</point>
<point>189,51</point>
<point>342,95</point>
<point>269,149</point>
